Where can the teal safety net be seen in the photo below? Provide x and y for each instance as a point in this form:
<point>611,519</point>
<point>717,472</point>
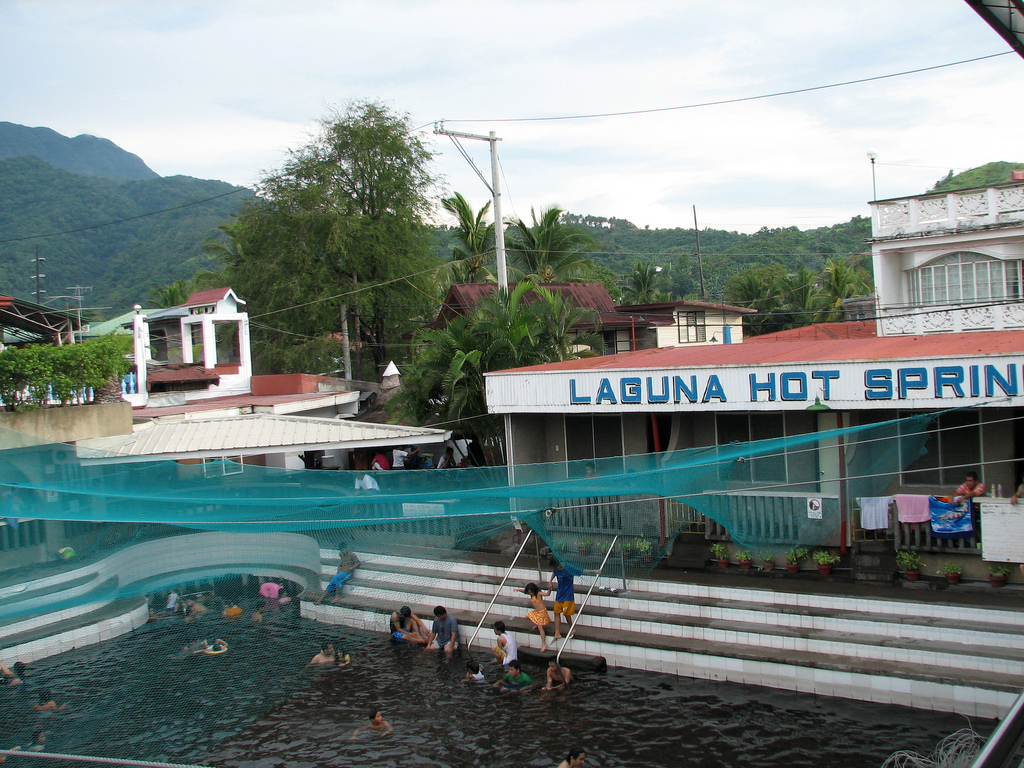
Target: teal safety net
<point>770,496</point>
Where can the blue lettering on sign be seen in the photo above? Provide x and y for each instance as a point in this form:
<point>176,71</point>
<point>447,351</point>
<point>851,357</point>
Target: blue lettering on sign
<point>975,381</point>
<point>575,399</point>
<point>604,392</point>
<point>825,377</point>
<point>653,398</point>
<point>679,388</point>
<point>949,376</point>
<point>759,386</point>
<point>630,390</point>
<point>878,384</point>
<point>714,390</point>
<point>786,390</point>
<point>994,378</point>
<point>911,378</point>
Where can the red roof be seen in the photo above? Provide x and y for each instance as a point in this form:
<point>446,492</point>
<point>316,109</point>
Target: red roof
<point>463,298</point>
<point>856,329</point>
<point>803,351</point>
<point>181,373</point>
<point>673,305</point>
<point>209,296</point>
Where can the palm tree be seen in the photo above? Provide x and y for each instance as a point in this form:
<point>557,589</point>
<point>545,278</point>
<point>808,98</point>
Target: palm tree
<point>643,285</point>
<point>841,279</point>
<point>760,289</point>
<point>550,251</point>
<point>475,238</point>
<point>801,298</point>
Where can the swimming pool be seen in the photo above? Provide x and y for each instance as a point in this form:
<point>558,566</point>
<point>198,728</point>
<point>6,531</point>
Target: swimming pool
<point>260,706</point>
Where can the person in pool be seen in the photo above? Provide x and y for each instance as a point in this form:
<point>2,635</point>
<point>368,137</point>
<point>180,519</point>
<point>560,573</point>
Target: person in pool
<point>377,724</point>
<point>407,627</point>
<point>327,655</point>
<point>574,759</point>
<point>10,678</point>
<point>474,672</point>
<point>515,679</point>
<point>557,677</point>
<point>46,702</point>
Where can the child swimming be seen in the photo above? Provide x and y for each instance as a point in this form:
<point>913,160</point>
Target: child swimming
<point>474,672</point>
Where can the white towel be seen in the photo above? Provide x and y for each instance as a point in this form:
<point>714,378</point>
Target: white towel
<point>874,512</point>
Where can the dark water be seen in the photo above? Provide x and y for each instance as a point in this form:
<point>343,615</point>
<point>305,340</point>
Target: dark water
<point>260,706</point>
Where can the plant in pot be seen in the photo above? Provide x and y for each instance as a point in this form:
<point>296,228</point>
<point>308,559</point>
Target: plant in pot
<point>952,572</point>
<point>997,574</point>
<point>645,548</point>
<point>825,560</point>
<point>745,559</point>
<point>720,552</point>
<point>583,547</point>
<point>767,560</point>
<point>793,558</point>
<point>627,549</point>
<point>603,547</point>
<point>911,563</point>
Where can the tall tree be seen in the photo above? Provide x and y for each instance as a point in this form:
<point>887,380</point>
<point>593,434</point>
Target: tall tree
<point>643,284</point>
<point>549,250</point>
<point>841,279</point>
<point>340,226</point>
<point>474,253</point>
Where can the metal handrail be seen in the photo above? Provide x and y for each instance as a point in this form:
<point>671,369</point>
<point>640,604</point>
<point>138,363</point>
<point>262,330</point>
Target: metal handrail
<point>1005,740</point>
<point>583,605</point>
<point>498,590</point>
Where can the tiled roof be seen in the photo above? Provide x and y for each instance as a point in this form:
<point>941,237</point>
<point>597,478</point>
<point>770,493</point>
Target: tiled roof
<point>250,434</point>
<point>802,351</point>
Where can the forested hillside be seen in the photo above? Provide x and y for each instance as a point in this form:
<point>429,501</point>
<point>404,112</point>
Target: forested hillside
<point>121,261</point>
<point>85,155</point>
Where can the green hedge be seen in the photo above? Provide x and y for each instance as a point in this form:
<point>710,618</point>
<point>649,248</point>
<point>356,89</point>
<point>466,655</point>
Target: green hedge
<point>28,374</point>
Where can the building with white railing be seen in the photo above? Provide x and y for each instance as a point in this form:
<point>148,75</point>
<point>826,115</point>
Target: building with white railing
<point>949,262</point>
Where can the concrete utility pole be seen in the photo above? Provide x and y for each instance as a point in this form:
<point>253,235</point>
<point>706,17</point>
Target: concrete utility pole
<point>494,187</point>
<point>700,260</point>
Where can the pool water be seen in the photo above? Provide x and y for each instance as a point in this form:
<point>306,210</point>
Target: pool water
<point>261,706</point>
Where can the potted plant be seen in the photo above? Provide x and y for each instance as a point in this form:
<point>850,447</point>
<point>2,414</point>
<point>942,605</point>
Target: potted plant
<point>627,549</point>
<point>583,547</point>
<point>720,552</point>
<point>645,549</point>
<point>997,574</point>
<point>952,572</point>
<point>767,560</point>
<point>745,559</point>
<point>793,558</point>
<point>825,560</point>
<point>911,563</point>
<point>603,547</point>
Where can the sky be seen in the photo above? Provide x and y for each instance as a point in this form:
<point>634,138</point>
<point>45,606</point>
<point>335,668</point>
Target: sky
<point>223,89</point>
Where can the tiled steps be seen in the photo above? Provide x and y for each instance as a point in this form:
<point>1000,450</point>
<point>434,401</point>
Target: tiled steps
<point>929,655</point>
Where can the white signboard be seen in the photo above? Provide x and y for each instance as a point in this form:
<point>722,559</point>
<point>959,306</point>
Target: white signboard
<point>814,509</point>
<point>1003,524</point>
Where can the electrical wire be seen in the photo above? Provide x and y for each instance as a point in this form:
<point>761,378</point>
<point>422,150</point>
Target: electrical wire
<point>737,100</point>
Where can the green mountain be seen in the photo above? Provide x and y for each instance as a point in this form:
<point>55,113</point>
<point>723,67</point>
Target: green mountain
<point>84,155</point>
<point>104,233</point>
<point>988,175</point>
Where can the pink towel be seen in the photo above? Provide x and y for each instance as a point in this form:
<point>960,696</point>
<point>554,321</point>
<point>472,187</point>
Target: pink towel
<point>913,508</point>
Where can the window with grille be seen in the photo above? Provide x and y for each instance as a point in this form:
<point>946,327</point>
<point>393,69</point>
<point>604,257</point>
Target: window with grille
<point>692,327</point>
<point>965,278</point>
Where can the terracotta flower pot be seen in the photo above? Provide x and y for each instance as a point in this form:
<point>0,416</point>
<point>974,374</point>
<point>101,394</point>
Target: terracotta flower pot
<point>723,563</point>
<point>953,578</point>
<point>912,575</point>
<point>584,551</point>
<point>769,565</point>
<point>792,567</point>
<point>825,569</point>
<point>997,581</point>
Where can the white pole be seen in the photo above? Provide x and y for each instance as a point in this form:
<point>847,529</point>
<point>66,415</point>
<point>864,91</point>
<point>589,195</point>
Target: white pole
<point>499,225</point>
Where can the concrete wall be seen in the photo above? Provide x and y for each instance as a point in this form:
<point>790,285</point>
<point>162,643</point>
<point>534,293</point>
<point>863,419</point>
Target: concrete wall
<point>71,423</point>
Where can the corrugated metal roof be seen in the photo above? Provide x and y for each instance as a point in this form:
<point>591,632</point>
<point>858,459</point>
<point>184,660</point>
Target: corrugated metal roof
<point>683,303</point>
<point>279,404</point>
<point>248,435</point>
<point>853,329</point>
<point>800,351</point>
<point>210,296</point>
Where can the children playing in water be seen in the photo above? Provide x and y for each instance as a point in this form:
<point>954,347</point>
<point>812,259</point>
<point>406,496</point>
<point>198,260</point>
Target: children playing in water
<point>574,759</point>
<point>10,678</point>
<point>474,672</point>
<point>539,615</point>
<point>46,702</point>
<point>515,680</point>
<point>505,650</point>
<point>377,724</point>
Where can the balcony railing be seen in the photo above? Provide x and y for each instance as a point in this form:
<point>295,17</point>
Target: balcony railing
<point>928,214</point>
<point>901,321</point>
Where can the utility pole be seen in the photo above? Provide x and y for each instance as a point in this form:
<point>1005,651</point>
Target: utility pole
<point>77,294</point>
<point>494,187</point>
<point>700,260</point>
<point>38,292</point>
<point>874,187</point>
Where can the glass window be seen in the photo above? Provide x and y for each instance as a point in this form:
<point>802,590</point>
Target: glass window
<point>953,448</point>
<point>745,427</point>
<point>965,277</point>
<point>692,327</point>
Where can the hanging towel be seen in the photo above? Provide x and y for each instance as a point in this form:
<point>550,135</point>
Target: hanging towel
<point>874,512</point>
<point>951,521</point>
<point>913,508</point>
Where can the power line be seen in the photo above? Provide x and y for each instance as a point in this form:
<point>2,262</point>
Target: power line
<point>737,100</point>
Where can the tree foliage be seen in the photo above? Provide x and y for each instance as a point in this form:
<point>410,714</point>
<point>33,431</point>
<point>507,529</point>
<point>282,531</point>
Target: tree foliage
<point>473,255</point>
<point>526,326</point>
<point>340,224</point>
<point>549,250</point>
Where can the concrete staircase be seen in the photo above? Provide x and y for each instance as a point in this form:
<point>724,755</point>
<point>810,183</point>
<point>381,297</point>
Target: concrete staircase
<point>929,655</point>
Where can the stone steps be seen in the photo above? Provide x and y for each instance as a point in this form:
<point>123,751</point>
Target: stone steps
<point>931,655</point>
